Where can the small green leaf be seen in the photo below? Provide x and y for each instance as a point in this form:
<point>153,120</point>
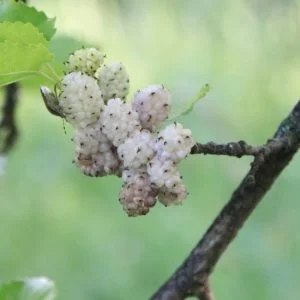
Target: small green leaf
<point>23,51</point>
<point>19,61</point>
<point>38,288</point>
<point>188,105</point>
<point>20,12</point>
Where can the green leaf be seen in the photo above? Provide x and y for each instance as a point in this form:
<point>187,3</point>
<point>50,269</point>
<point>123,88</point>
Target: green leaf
<point>38,288</point>
<point>21,55</point>
<point>19,61</point>
<point>188,105</point>
<point>21,33</point>
<point>21,12</point>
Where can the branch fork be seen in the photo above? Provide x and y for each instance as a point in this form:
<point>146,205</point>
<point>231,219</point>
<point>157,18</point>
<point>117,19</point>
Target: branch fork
<point>192,277</point>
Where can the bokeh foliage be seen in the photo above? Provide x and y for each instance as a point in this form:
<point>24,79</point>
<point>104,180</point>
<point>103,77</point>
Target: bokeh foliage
<point>58,223</point>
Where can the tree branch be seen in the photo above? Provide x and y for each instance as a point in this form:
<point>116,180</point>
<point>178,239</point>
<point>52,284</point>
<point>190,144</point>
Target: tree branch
<point>191,278</point>
<point>237,149</point>
<point>8,128</point>
<point>204,293</point>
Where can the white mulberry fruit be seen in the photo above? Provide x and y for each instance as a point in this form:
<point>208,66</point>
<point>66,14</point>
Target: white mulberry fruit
<point>163,173</point>
<point>80,99</point>
<point>113,80</point>
<point>98,164</point>
<point>172,197</point>
<point>86,60</point>
<point>95,154</point>
<point>119,121</point>
<point>152,104</point>
<point>137,196</point>
<point>137,150</point>
<point>174,143</point>
<point>167,179</point>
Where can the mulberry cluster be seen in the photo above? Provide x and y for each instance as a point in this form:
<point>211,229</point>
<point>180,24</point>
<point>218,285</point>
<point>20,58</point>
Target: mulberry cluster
<point>115,137</point>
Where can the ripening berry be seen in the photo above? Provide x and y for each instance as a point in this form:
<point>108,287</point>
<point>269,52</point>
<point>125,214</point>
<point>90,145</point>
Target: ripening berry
<point>152,104</point>
<point>119,121</point>
<point>113,80</point>
<point>98,164</point>
<point>167,197</point>
<point>86,60</point>
<point>137,196</point>
<point>80,99</point>
<point>174,143</point>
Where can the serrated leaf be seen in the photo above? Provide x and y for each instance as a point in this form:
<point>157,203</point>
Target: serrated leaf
<point>21,33</point>
<point>37,288</point>
<point>23,51</point>
<point>20,12</point>
<point>19,61</point>
<point>188,105</point>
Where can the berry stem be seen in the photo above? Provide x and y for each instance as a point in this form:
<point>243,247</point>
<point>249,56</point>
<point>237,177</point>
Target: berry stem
<point>49,66</point>
<point>46,76</point>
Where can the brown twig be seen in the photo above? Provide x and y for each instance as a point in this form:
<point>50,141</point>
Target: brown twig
<point>237,149</point>
<point>8,128</point>
<point>205,292</point>
<point>191,278</point>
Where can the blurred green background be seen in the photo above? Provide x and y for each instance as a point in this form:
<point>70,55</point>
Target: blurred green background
<point>58,223</point>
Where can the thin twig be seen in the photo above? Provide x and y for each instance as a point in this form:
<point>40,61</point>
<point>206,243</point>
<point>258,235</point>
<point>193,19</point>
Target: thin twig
<point>192,276</point>
<point>205,292</point>
<point>8,127</point>
<point>237,149</point>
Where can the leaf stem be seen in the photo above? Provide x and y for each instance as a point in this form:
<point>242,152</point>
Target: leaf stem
<point>46,76</point>
<point>53,72</point>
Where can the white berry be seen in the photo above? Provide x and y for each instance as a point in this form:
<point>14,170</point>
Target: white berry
<point>119,121</point>
<point>113,80</point>
<point>137,196</point>
<point>174,143</point>
<point>95,154</point>
<point>167,179</point>
<point>85,60</point>
<point>80,99</point>
<point>137,150</point>
<point>152,104</point>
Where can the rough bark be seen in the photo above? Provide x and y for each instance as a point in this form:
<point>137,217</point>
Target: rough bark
<point>192,277</point>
